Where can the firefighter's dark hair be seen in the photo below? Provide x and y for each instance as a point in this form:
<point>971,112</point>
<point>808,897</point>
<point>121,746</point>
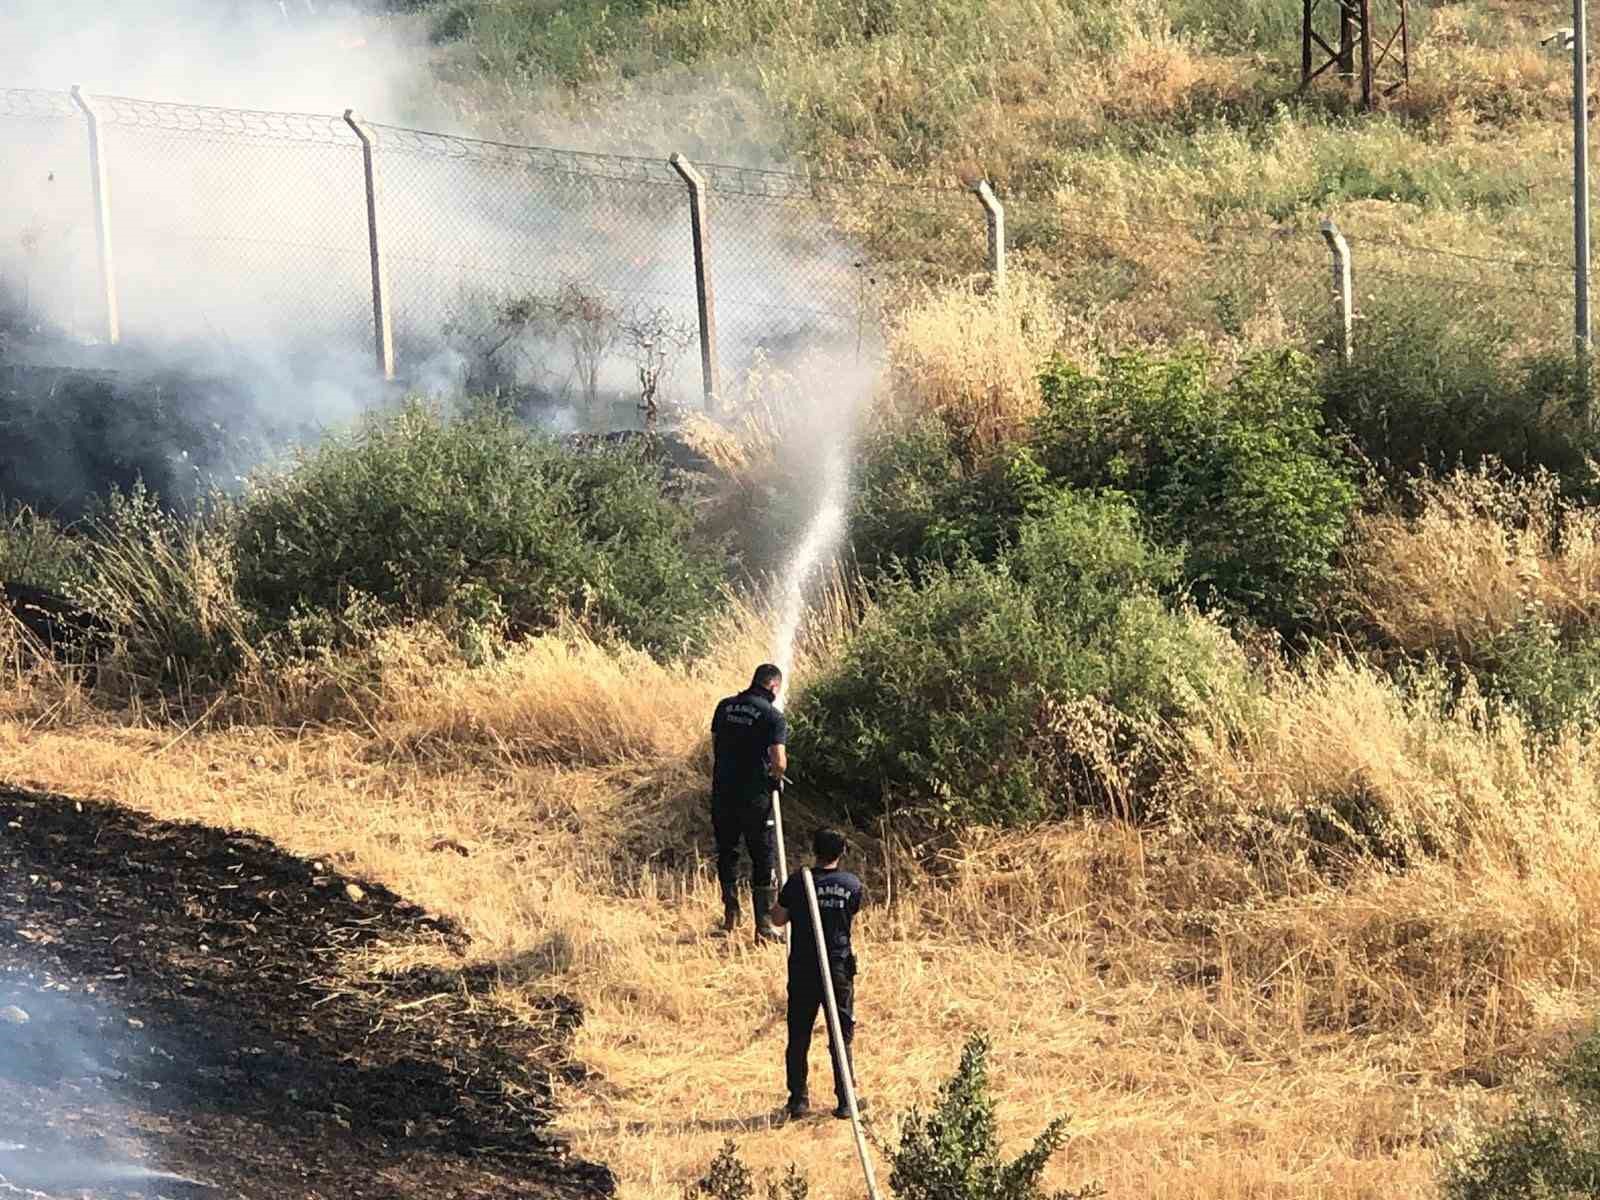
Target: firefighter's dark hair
<point>827,845</point>
<point>766,675</point>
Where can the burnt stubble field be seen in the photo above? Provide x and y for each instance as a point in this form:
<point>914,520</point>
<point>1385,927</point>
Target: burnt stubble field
<point>180,1016</point>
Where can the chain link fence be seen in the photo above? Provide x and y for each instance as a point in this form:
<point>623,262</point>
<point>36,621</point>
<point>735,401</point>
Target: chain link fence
<point>47,244</point>
<point>236,227</point>
<point>572,277</point>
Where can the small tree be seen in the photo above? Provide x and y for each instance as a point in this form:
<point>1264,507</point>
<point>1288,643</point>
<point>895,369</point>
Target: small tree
<point>589,322</point>
<point>953,1152</point>
<point>657,338</point>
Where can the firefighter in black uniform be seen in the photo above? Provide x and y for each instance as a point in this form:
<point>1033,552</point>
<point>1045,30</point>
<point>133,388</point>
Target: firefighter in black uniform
<point>839,896</point>
<point>749,757</point>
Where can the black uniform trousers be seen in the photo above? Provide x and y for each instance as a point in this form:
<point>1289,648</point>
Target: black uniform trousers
<point>746,818</point>
<point>805,999</point>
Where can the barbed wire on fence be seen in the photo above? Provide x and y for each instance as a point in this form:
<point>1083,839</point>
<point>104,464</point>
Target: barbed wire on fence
<point>577,163</point>
<point>31,102</point>
<point>239,125</point>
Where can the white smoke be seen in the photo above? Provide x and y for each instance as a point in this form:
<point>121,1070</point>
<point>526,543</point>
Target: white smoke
<point>244,257</point>
<point>47,1047</point>
<point>250,54</point>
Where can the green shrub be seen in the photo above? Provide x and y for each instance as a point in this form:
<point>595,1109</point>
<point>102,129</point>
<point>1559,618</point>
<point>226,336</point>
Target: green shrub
<point>35,549</point>
<point>1431,388</point>
<point>425,514</point>
<point>915,501</point>
<point>935,699</point>
<point>949,1153</point>
<point>949,699</point>
<point>1549,1148</point>
<point>1551,678</point>
<point>953,1151</point>
<point>904,480</point>
<point>1239,474</point>
<point>727,1178</point>
<point>1082,555</point>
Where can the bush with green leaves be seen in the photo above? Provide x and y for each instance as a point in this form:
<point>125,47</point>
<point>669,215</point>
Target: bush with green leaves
<point>424,513</point>
<point>1083,554</point>
<point>949,1152</point>
<point>949,700</point>
<point>1432,385</point>
<point>1239,474</point>
<point>917,502</point>
<point>1550,677</point>
<point>727,1178</point>
<point>952,1152</point>
<point>35,549</point>
<point>1548,1149</point>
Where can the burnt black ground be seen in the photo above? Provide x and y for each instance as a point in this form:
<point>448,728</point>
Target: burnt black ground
<point>189,1009</point>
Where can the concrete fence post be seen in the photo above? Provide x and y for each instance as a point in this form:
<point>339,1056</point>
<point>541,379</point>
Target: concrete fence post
<point>382,321</point>
<point>705,297</point>
<point>1344,296</point>
<point>994,214</point>
<point>102,219</point>
<point>1582,331</point>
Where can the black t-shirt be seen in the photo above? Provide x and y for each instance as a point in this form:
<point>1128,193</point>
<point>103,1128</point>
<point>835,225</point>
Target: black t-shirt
<point>742,730</point>
<point>838,901</point>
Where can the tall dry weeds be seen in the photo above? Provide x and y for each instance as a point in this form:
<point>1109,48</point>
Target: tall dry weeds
<point>1215,1033</point>
<point>972,358</point>
<point>1468,554</point>
<point>1412,858</point>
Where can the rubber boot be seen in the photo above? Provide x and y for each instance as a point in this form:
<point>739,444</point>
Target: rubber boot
<point>730,914</point>
<point>766,931</point>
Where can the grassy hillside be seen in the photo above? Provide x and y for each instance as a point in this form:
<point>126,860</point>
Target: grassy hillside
<point>1159,168</point>
<point>1304,879</point>
<point>1217,725</point>
<point>1218,1024</point>
<point>1036,96</point>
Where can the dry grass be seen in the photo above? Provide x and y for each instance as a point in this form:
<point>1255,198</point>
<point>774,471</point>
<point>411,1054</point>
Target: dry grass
<point>1467,556</point>
<point>1498,907</point>
<point>1172,178</point>
<point>1220,1023</point>
<point>971,357</point>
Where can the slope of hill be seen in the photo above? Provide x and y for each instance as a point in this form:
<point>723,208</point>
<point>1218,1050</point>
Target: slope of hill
<point>1316,874</point>
<point>1127,110</point>
<point>1159,169</point>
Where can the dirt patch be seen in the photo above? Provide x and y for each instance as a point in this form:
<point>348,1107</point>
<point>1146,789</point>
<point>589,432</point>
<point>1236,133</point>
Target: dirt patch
<point>177,1010</point>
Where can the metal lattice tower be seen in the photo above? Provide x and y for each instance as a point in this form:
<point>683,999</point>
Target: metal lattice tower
<point>1367,40</point>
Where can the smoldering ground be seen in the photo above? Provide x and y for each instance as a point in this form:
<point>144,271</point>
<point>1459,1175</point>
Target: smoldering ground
<point>78,1049</point>
<point>178,1001</point>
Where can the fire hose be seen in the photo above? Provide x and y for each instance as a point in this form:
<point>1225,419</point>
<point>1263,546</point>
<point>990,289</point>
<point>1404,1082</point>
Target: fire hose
<point>783,857</point>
